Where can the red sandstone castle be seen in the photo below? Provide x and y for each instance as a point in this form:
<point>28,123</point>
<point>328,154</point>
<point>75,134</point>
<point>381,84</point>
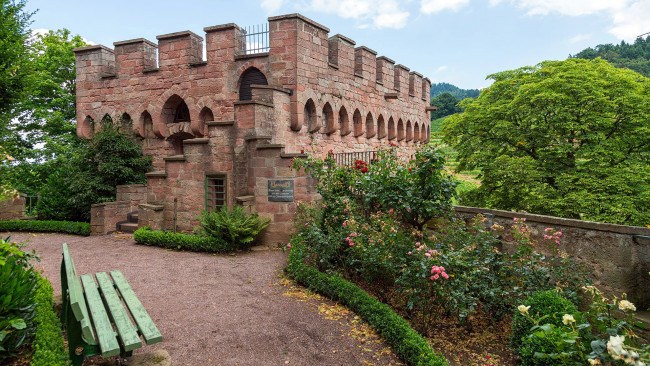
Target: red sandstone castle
<point>222,131</point>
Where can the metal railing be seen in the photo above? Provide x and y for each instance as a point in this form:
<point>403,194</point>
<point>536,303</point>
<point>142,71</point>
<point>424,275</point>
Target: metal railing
<point>348,159</point>
<point>254,39</point>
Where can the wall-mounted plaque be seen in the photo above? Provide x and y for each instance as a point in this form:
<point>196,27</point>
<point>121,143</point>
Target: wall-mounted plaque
<point>281,190</point>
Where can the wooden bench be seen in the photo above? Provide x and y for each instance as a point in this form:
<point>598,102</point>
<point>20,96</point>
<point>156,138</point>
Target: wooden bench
<point>96,320</point>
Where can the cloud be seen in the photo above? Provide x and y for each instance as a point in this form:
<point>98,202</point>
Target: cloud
<point>632,21</point>
<point>434,6</point>
<point>579,38</point>
<point>366,13</point>
<point>441,68</point>
<point>564,7</point>
<point>272,6</point>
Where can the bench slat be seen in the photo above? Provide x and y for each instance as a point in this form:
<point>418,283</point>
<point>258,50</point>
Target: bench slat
<point>107,341</point>
<point>125,328</point>
<point>145,324</point>
<point>77,302</point>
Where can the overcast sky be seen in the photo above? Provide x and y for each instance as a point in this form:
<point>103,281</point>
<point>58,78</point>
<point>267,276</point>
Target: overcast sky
<point>454,41</point>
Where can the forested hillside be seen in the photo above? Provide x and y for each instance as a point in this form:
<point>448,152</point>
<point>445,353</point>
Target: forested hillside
<point>456,92</point>
<point>635,56</point>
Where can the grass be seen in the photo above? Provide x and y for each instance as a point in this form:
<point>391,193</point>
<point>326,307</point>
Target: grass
<point>451,157</point>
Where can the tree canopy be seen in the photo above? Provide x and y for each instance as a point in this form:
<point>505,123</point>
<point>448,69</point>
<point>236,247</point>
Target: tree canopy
<point>447,105</point>
<point>634,56</point>
<point>456,92</point>
<point>566,138</point>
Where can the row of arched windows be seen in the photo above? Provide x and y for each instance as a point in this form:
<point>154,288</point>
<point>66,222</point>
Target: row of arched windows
<point>363,126</point>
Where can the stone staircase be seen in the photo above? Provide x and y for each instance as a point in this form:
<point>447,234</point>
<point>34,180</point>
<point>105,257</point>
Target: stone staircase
<point>130,225</point>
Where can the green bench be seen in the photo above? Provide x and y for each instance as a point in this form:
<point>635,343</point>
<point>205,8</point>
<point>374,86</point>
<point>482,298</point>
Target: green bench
<point>96,320</point>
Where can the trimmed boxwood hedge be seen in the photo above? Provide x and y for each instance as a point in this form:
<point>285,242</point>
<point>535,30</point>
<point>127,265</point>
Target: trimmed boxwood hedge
<point>48,346</point>
<point>190,242</point>
<point>406,342</point>
<point>68,227</point>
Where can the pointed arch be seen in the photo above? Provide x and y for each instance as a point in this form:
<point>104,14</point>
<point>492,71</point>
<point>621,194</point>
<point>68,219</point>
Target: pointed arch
<point>328,119</point>
<point>409,131</point>
<point>311,121</point>
<point>423,133</point>
<point>357,123</point>
<point>401,135</point>
<point>344,121</point>
<point>252,76</point>
<point>428,133</point>
<point>206,115</point>
<point>175,110</point>
<point>370,126</point>
<point>392,133</point>
<point>381,127</point>
<point>145,125</point>
<point>416,132</point>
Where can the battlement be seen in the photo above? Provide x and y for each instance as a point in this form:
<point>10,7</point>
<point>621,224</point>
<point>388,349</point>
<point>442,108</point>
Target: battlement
<point>293,40</point>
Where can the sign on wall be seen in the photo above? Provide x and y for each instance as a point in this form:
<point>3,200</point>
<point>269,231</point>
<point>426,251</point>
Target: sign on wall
<point>280,190</point>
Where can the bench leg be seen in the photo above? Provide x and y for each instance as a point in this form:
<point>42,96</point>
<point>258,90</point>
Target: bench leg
<point>73,329</point>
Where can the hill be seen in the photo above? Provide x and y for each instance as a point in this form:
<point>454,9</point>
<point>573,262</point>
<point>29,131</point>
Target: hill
<point>634,56</point>
<point>458,93</point>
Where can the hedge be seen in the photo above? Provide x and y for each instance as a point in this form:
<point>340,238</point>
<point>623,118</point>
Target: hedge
<point>190,242</point>
<point>48,346</point>
<point>406,342</point>
<point>68,227</point>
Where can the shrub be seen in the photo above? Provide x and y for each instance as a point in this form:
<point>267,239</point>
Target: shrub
<point>193,243</point>
<point>17,285</point>
<point>549,304</point>
<point>407,344</point>
<point>235,227</point>
<point>68,227</point>
<point>48,346</point>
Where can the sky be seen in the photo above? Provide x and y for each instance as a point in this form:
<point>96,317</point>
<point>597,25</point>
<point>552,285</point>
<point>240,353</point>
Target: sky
<point>455,41</point>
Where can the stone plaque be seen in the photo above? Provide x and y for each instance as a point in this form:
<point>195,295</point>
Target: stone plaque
<point>281,190</point>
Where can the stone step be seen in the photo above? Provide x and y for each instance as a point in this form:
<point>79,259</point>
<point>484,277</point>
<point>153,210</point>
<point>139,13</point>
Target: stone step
<point>128,227</point>
<point>132,217</point>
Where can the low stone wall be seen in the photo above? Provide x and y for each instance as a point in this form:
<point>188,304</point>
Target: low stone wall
<point>13,209</point>
<point>618,256</point>
<point>134,193</point>
<point>151,215</point>
<point>105,216</point>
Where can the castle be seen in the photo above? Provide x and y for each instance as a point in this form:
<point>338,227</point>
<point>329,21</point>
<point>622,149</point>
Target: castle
<point>222,131</point>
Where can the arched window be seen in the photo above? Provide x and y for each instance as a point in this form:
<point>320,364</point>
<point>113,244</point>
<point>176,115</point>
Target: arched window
<point>206,115</point>
<point>416,132</point>
<point>182,113</point>
<point>344,121</point>
<point>423,133</point>
<point>146,123</point>
<point>252,76</point>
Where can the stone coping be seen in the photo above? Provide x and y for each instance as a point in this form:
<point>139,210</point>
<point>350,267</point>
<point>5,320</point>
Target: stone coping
<point>203,140</point>
<point>177,35</point>
<point>151,206</point>
<point>91,48</point>
<point>257,137</point>
<point>390,96</point>
<point>156,175</point>
<point>386,59</point>
<point>335,66</point>
<point>590,225</point>
<point>174,158</point>
<point>278,88</point>
<point>258,102</point>
<point>269,146</point>
<point>136,40</point>
<point>222,27</point>
<point>415,73</point>
<point>114,203</point>
<point>301,17</point>
<point>402,67</point>
<point>343,38</point>
<point>251,55</point>
<point>219,123</point>
<point>364,48</point>
<point>431,109</point>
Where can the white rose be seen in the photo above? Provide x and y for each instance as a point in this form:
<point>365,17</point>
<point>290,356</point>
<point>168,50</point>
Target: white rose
<point>523,309</point>
<point>568,318</point>
<point>626,305</point>
<point>615,346</point>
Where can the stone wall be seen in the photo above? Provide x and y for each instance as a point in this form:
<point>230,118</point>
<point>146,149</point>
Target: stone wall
<point>618,256</point>
<point>133,193</point>
<point>13,209</point>
<point>105,216</point>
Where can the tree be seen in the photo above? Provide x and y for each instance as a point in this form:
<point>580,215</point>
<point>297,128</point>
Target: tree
<point>111,158</point>
<point>14,31</point>
<point>565,138</point>
<point>447,105</point>
<point>44,125</point>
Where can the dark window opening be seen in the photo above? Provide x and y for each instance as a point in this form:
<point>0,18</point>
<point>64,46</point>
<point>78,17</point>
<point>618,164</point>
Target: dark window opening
<point>182,113</point>
<point>215,192</point>
<point>252,76</point>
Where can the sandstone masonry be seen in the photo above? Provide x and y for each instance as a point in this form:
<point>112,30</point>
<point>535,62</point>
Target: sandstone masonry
<point>219,129</point>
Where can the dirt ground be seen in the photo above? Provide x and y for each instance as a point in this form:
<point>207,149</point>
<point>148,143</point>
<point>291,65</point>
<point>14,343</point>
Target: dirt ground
<point>221,309</point>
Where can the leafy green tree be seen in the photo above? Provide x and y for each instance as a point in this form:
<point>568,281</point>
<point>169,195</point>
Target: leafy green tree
<point>44,126</point>
<point>458,93</point>
<point>447,105</point>
<point>111,158</point>
<point>634,56</point>
<point>565,138</point>
<point>14,31</point>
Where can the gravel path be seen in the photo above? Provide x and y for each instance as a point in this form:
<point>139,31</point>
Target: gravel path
<point>216,309</point>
